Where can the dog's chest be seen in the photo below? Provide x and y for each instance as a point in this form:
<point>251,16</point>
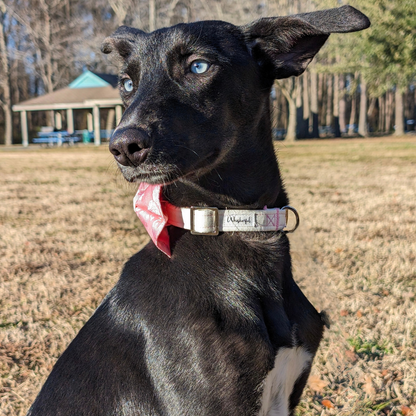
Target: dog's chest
<point>289,365</point>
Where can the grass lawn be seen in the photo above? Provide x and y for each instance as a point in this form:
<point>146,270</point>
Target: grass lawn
<point>67,226</point>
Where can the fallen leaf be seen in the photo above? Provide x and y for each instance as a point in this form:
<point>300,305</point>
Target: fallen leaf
<point>338,250</point>
<point>344,312</point>
<point>351,356</point>
<point>406,411</point>
<point>359,314</point>
<point>328,404</point>
<point>317,384</point>
<point>384,373</point>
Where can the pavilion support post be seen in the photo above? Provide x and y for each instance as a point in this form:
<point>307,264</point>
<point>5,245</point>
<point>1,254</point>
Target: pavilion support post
<point>96,117</point>
<point>90,126</point>
<point>119,113</point>
<point>70,120</point>
<point>110,123</point>
<point>50,118</point>
<point>58,120</point>
<point>23,124</point>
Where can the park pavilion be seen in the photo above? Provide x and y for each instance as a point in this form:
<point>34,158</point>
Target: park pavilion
<point>90,93</point>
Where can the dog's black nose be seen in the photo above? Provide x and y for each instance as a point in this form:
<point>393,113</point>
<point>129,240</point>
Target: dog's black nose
<point>130,146</point>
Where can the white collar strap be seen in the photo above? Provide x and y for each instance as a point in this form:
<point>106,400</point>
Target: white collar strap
<point>211,221</point>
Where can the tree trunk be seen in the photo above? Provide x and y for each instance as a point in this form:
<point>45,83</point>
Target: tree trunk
<point>48,77</point>
<point>321,98</point>
<point>362,119</point>
<point>273,110</point>
<point>306,106</point>
<point>314,105</point>
<point>284,109</point>
<point>399,111</point>
<point>281,111</point>
<point>389,110</point>
<point>336,126</point>
<point>342,104</point>
<point>330,99</point>
<point>371,112</point>
<point>409,104</point>
<point>6,101</point>
<point>381,113</point>
<point>414,107</point>
<point>289,89</point>
<point>353,114</point>
<point>152,15</point>
<point>300,127</point>
<point>8,123</point>
<point>291,125</point>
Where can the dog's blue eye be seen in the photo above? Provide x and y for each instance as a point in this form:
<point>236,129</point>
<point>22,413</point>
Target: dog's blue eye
<point>128,85</point>
<point>199,67</point>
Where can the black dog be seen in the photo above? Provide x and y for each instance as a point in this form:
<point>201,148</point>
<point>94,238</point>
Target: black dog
<point>220,327</point>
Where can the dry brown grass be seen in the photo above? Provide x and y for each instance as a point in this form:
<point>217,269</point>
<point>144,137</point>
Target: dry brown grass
<point>67,226</point>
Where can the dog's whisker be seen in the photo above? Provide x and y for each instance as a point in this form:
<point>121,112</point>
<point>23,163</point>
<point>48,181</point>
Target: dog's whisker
<point>187,148</point>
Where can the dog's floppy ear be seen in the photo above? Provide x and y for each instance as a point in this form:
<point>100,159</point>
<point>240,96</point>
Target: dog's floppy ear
<point>121,41</point>
<point>284,46</point>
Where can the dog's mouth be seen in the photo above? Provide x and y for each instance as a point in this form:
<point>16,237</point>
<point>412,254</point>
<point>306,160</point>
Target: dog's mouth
<point>151,173</point>
<point>165,172</point>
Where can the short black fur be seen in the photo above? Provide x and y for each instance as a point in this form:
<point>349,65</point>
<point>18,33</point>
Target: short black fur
<point>197,334</point>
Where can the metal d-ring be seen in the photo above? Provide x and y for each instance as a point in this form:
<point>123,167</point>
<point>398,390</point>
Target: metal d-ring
<point>289,208</point>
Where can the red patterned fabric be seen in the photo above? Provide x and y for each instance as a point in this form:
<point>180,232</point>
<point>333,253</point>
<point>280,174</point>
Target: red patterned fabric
<point>151,209</point>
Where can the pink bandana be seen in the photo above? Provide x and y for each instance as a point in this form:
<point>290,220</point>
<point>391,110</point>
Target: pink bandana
<point>151,209</point>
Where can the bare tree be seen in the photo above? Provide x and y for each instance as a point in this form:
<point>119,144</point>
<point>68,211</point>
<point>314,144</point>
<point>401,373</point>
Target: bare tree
<point>53,32</point>
<point>290,89</point>
<point>120,8</point>
<point>5,87</point>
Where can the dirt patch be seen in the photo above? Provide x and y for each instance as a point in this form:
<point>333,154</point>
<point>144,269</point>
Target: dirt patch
<point>67,227</point>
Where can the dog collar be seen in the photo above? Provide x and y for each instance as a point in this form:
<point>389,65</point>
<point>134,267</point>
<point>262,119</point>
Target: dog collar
<point>156,214</point>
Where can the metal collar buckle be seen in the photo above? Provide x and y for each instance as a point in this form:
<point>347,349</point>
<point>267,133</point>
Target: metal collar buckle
<point>216,227</point>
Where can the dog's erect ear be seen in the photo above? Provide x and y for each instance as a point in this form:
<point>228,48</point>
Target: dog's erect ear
<point>284,46</point>
<point>122,41</point>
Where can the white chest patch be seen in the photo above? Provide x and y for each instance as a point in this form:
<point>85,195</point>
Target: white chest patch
<point>289,364</point>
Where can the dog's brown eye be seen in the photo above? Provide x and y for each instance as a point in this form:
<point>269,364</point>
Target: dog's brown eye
<point>200,66</point>
<point>128,85</point>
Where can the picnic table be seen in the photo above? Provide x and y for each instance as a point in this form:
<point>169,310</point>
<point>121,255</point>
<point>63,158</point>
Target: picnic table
<point>57,138</point>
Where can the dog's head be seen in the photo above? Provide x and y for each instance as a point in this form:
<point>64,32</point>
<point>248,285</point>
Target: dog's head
<point>197,94</point>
